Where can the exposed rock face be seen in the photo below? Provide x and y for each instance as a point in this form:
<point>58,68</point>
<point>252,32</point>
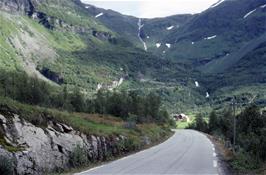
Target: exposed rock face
<point>53,76</point>
<point>15,5</point>
<point>48,149</point>
<point>22,6</point>
<point>29,8</point>
<point>103,36</point>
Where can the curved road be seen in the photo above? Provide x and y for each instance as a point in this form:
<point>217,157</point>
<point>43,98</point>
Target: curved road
<point>187,152</point>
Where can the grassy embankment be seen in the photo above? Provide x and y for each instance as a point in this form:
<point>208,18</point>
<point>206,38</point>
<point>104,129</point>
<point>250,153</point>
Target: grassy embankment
<point>101,125</point>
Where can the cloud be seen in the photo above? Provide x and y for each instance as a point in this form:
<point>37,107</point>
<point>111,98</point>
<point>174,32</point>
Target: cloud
<point>153,8</point>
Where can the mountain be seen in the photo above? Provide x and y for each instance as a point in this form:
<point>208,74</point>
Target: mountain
<point>61,40</point>
<point>209,44</point>
<point>220,30</point>
<point>153,30</point>
<point>68,43</point>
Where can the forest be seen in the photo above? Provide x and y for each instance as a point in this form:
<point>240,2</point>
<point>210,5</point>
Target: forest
<point>131,106</point>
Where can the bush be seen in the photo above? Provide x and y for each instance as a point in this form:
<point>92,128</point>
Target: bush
<point>250,136</point>
<point>6,165</point>
<point>132,143</point>
<point>200,123</point>
<point>78,157</point>
<point>213,121</point>
<point>243,162</point>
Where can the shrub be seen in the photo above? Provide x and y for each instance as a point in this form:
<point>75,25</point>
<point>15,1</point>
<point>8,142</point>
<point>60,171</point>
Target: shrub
<point>243,162</point>
<point>201,124</point>
<point>132,143</point>
<point>78,157</point>
<point>6,165</point>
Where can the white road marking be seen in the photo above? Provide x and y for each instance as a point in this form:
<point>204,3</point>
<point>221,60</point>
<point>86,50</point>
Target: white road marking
<point>89,170</point>
<point>214,163</point>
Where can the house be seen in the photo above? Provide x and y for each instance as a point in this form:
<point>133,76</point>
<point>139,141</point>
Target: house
<point>181,117</point>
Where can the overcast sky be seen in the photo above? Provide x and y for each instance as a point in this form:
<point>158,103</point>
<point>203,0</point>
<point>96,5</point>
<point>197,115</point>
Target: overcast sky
<point>153,8</point>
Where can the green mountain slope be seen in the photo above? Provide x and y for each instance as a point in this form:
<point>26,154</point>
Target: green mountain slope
<point>57,41</point>
<point>73,44</point>
<point>152,32</point>
<point>71,52</point>
<point>225,63</point>
<point>218,31</point>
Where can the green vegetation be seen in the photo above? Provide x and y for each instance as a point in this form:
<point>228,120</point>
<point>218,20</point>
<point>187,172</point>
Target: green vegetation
<point>70,12</point>
<point>182,124</point>
<point>90,124</point>
<point>250,135</point>
<point>185,124</point>
<point>143,109</point>
<point>6,165</point>
<point>71,45</point>
<point>78,157</point>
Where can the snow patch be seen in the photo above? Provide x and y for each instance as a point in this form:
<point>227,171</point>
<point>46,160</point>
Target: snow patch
<point>263,6</point>
<point>148,37</point>
<point>121,69</point>
<point>218,3</point>
<point>100,14</point>
<point>249,13</point>
<point>192,43</point>
<point>196,84</point>
<point>170,28</point>
<point>207,95</point>
<point>210,37</point>
<point>164,52</point>
<point>168,45</point>
<point>115,84</point>
<point>99,86</point>
<point>121,80</point>
<point>158,45</point>
<point>87,7</point>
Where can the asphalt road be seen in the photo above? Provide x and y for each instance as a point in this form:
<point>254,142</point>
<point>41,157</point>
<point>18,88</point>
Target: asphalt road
<point>187,152</point>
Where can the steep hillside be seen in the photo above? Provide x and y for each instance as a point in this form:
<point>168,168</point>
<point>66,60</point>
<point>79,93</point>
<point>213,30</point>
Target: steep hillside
<point>151,32</point>
<point>74,44</point>
<point>126,26</point>
<point>227,62</point>
<point>218,32</point>
<point>62,42</point>
<point>155,30</point>
<point>250,68</point>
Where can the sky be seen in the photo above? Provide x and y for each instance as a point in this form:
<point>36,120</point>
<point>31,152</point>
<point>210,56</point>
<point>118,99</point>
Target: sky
<point>153,8</point>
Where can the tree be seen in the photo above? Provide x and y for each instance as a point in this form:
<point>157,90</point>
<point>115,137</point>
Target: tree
<point>201,124</point>
<point>100,102</point>
<point>213,122</point>
<point>153,103</point>
<point>250,120</point>
<point>77,101</point>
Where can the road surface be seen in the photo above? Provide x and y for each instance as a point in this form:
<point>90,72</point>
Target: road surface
<point>187,152</point>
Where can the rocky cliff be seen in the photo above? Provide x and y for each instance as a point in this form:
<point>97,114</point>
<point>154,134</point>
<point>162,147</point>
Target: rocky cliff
<point>45,149</point>
<point>32,8</point>
<point>17,5</point>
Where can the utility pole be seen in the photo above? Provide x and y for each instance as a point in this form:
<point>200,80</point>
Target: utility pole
<point>234,129</point>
